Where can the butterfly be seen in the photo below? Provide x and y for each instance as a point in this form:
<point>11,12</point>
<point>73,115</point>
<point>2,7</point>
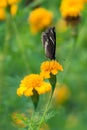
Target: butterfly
<point>49,42</point>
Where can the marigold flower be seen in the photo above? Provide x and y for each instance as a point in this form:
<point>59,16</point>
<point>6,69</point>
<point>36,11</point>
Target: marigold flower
<point>10,2</point>
<point>50,67</point>
<point>61,93</point>
<point>39,19</point>
<point>2,14</point>
<point>71,8</point>
<point>3,3</point>
<point>84,0</point>
<point>33,82</point>
<point>13,9</point>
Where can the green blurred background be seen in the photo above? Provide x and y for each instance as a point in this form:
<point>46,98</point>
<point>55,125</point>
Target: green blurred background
<point>21,53</point>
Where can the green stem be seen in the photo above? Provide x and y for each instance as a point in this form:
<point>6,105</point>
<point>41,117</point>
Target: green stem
<point>45,112</point>
<point>32,121</point>
<point>30,126</point>
<point>20,44</point>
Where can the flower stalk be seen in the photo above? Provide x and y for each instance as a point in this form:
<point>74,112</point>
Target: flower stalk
<point>52,81</point>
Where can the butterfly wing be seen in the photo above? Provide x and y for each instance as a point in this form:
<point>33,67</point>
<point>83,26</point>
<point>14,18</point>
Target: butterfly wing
<point>49,42</point>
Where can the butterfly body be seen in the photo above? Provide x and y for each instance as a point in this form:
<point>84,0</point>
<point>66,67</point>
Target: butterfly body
<point>49,42</point>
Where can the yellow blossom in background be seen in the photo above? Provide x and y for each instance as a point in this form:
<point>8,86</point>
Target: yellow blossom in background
<point>39,19</point>
<point>19,120</point>
<point>2,14</point>
<point>33,82</point>
<point>13,9</point>
<point>13,6</point>
<point>84,0</point>
<point>3,3</point>
<point>50,67</point>
<point>61,93</point>
<point>71,8</point>
<point>11,2</point>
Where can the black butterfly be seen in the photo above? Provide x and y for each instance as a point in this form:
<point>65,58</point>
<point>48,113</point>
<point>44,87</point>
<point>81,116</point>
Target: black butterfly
<point>49,42</point>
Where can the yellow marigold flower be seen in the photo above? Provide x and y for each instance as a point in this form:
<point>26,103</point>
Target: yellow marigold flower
<point>84,0</point>
<point>13,9</point>
<point>61,93</point>
<point>2,14</point>
<point>71,8</point>
<point>39,19</point>
<point>33,82</point>
<point>50,67</point>
<point>3,3</point>
<point>10,2</point>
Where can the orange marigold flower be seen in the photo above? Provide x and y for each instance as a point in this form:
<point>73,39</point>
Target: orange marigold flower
<point>84,0</point>
<point>71,8</point>
<point>13,9</point>
<point>10,2</point>
<point>39,19</point>
<point>61,93</point>
<point>3,3</point>
<point>50,67</point>
<point>2,14</point>
<point>33,82</point>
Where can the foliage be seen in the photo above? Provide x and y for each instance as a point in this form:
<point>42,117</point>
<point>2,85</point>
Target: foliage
<point>21,53</point>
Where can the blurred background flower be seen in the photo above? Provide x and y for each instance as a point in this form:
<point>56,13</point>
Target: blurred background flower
<point>2,14</point>
<point>71,9</point>
<point>61,94</point>
<point>10,5</point>
<point>19,120</point>
<point>39,19</point>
